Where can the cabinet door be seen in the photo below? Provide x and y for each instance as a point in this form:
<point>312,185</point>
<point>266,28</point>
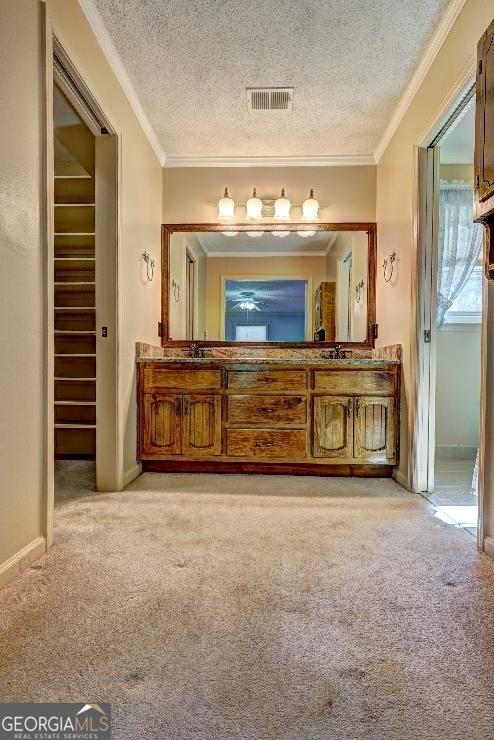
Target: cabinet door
<point>375,429</point>
<point>202,425</point>
<point>484,135</point>
<point>333,427</point>
<point>162,424</point>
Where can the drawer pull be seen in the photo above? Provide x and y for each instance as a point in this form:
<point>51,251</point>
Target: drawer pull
<point>266,410</point>
<point>264,379</point>
<point>357,407</point>
<point>349,407</point>
<point>263,443</point>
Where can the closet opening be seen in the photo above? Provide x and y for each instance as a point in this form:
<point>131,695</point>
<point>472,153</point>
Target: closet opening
<point>82,279</point>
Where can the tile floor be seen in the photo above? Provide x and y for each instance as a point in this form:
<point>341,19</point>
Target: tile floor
<point>452,495</point>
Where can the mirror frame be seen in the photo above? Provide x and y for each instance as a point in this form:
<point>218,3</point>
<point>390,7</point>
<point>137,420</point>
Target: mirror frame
<point>168,229</point>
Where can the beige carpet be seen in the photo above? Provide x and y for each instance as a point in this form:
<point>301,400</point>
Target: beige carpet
<point>255,607</point>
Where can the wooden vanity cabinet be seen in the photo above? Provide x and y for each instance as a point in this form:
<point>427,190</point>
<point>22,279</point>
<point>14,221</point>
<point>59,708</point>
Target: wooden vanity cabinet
<point>338,421</point>
<point>484,145</point>
<point>181,425</point>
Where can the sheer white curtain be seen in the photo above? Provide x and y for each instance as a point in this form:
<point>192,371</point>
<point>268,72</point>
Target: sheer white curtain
<point>460,241</point>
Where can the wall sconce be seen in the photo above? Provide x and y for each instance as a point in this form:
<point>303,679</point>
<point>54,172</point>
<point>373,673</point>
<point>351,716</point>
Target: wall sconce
<point>254,206</point>
<point>282,207</point>
<point>310,208</point>
<point>359,290</point>
<point>226,206</point>
<point>387,264</point>
<point>176,290</point>
<point>150,263</point>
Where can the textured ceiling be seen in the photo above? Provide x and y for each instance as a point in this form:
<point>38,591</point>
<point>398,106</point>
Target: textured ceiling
<point>348,60</point>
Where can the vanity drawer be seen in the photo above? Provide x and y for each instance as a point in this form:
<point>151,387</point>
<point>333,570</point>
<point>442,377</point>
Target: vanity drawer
<point>267,410</point>
<point>181,380</point>
<point>289,444</point>
<point>361,382</point>
<point>273,380</point>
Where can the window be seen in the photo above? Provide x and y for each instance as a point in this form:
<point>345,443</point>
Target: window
<point>251,333</point>
<point>467,306</point>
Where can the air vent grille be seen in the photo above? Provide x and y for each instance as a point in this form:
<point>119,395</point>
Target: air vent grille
<point>269,98</point>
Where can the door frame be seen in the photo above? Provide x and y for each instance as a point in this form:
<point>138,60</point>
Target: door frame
<point>108,406</point>
<point>424,277</point>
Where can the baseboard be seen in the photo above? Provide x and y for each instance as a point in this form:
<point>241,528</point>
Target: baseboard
<point>21,560</point>
<point>455,452</point>
<point>401,479</point>
<point>489,546</point>
<point>132,473</point>
<point>267,468</point>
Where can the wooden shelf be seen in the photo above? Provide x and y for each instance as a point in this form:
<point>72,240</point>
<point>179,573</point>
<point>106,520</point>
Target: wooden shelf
<point>74,233</point>
<point>75,403</point>
<point>74,259</point>
<point>73,177</point>
<point>75,205</point>
<point>75,426</point>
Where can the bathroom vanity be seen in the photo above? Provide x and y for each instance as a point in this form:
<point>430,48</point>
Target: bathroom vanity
<point>318,417</point>
<point>238,385</point>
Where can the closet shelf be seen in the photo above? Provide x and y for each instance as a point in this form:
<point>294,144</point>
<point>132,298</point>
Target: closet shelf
<point>74,259</point>
<point>75,308</point>
<point>74,233</point>
<point>75,331</point>
<point>92,380</point>
<point>75,426</point>
<point>75,354</point>
<point>74,205</point>
<point>74,282</point>
<point>75,403</point>
<point>73,177</point>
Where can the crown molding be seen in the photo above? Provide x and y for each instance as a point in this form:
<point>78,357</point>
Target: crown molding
<point>107,47</point>
<point>266,254</point>
<point>425,64</point>
<point>322,161</point>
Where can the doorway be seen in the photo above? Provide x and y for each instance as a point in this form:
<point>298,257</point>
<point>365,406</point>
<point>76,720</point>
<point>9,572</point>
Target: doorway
<point>82,364</point>
<point>454,311</point>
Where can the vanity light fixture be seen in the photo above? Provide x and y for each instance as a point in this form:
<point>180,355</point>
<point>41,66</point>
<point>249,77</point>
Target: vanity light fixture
<point>282,207</point>
<point>226,206</point>
<point>305,234</point>
<point>254,206</point>
<point>281,234</point>
<point>255,234</point>
<point>310,208</point>
<point>229,233</point>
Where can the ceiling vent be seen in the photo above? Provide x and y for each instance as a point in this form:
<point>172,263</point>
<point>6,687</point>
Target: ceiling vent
<point>269,98</point>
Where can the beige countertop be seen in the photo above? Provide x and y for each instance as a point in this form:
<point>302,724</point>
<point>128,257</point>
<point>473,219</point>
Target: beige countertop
<point>348,362</point>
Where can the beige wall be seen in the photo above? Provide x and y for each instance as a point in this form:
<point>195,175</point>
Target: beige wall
<point>140,207</point>
<point>458,387</point>
<point>21,289</point>
<point>358,243</point>
<point>395,182</point>
<point>22,519</point>
<point>312,269</point>
<point>190,194</point>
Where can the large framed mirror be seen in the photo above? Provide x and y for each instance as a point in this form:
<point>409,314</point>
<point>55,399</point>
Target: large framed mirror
<point>277,284</point>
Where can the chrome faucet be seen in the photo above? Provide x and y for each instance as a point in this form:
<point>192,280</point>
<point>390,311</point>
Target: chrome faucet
<point>195,351</point>
<point>336,353</point>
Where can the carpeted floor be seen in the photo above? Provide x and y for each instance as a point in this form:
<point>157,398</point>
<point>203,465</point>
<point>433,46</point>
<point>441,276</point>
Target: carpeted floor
<point>256,607</point>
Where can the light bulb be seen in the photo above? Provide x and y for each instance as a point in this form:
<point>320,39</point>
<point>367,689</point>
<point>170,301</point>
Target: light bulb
<point>226,206</point>
<point>310,208</point>
<point>229,233</point>
<point>305,234</point>
<point>282,207</point>
<point>254,206</point>
<point>254,234</point>
<point>281,234</point>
